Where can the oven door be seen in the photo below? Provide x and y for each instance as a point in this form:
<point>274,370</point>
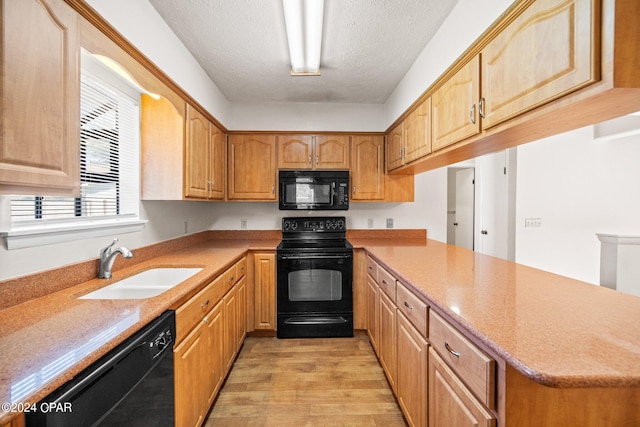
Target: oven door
<point>315,283</point>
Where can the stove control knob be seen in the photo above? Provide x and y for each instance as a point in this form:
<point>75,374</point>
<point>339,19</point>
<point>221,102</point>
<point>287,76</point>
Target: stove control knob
<point>290,225</point>
<point>341,225</point>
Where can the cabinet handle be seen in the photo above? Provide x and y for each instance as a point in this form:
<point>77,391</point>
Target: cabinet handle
<point>204,304</point>
<point>309,159</point>
<point>273,189</point>
<point>354,190</point>
<point>450,350</point>
<point>472,114</point>
<point>481,107</point>
<point>205,319</point>
<point>384,282</point>
<point>231,279</point>
<point>408,306</point>
<point>317,159</point>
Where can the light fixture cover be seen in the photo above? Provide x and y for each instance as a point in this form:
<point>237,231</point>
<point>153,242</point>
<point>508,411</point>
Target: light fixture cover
<point>303,21</point>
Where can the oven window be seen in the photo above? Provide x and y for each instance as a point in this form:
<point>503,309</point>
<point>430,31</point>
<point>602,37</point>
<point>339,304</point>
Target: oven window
<point>302,193</point>
<point>315,285</point>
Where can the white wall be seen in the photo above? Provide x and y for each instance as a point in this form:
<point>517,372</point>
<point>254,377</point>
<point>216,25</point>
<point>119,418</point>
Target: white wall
<point>139,23</point>
<point>578,187</point>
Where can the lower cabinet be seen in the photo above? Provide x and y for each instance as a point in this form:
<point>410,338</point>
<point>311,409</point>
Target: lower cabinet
<point>265,291</point>
<point>210,330</point>
<point>451,404</point>
<point>387,351</point>
<point>412,373</point>
<point>373,300</point>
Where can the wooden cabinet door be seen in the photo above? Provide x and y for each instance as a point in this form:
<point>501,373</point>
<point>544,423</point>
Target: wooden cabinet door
<point>373,300</point>
<point>40,148</point>
<point>252,167</point>
<point>367,171</point>
<point>395,147</point>
<point>265,291</point>
<point>451,404</point>
<point>387,338</point>
<point>545,53</point>
<point>197,155</point>
<point>191,376</point>
<point>412,373</point>
<point>332,152</point>
<point>417,132</point>
<point>241,325</point>
<point>295,151</point>
<point>454,106</point>
<point>218,162</point>
<point>214,361</point>
<point>230,327</point>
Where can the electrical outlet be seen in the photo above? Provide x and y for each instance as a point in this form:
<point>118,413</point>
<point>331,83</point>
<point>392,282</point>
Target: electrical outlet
<point>389,222</point>
<point>243,223</point>
<point>532,222</point>
<point>369,222</point>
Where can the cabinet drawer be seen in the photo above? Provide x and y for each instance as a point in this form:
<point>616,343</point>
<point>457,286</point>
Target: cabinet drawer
<point>241,267</point>
<point>387,283</point>
<point>412,307</point>
<point>472,365</point>
<point>372,268</point>
<point>193,311</point>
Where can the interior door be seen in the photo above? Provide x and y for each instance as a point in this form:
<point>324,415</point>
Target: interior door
<point>492,218</point>
<point>464,208</point>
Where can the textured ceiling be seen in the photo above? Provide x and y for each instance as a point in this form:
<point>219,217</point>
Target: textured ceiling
<point>368,46</point>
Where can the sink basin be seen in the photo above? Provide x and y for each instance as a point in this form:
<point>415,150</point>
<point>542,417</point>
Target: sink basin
<point>146,284</point>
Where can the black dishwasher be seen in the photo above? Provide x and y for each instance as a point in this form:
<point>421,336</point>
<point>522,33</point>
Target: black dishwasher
<point>132,385</point>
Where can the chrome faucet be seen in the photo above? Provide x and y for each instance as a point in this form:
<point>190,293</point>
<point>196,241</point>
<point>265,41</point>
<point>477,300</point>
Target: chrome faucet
<point>107,257</point>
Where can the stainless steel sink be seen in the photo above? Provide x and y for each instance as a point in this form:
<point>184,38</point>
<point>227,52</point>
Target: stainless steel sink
<point>146,284</point>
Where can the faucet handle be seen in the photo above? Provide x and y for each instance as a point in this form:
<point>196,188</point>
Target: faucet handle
<point>107,249</point>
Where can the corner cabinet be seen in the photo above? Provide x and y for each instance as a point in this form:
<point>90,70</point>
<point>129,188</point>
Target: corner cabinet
<point>205,158</point>
<point>252,168</point>
<point>40,147</point>
<point>368,179</point>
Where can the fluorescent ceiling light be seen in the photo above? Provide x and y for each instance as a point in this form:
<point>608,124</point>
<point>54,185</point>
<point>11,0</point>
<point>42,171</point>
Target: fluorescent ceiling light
<point>303,20</point>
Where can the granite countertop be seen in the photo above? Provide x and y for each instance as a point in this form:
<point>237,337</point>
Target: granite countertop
<point>557,331</point>
<point>45,341</point>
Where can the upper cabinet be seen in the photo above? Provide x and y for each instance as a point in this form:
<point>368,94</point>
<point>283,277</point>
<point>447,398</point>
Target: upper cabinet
<point>40,147</point>
<point>313,151</point>
<point>252,167</point>
<point>545,53</point>
<point>205,159</point>
<point>455,109</point>
<point>410,139</point>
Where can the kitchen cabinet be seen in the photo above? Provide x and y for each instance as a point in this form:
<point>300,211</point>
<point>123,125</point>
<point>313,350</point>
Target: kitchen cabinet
<point>265,291</point>
<point>368,179</point>
<point>412,379</point>
<point>387,341</point>
<point>395,147</point>
<point>410,139</point>
<point>373,300</point>
<point>547,52</point>
<point>252,168</point>
<point>205,158</point>
<point>313,151</point>
<point>451,404</point>
<point>455,110</point>
<point>40,150</point>
<point>207,341</point>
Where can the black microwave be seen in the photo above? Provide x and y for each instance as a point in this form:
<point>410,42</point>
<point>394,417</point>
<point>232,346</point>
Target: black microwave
<point>314,190</point>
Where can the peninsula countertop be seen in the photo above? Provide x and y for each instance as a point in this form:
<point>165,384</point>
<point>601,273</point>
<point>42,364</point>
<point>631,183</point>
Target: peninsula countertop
<point>558,331</point>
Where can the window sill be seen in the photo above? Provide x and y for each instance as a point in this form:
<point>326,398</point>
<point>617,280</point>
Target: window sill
<point>40,236</point>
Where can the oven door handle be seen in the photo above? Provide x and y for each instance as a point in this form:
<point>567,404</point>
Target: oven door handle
<point>307,256</point>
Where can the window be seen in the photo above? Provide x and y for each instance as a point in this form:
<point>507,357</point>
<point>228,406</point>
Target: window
<point>109,162</point>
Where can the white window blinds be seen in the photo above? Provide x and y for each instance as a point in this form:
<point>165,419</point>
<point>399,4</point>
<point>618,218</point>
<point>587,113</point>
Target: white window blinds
<point>109,159</point>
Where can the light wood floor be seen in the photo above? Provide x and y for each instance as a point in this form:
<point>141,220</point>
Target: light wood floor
<point>306,382</point>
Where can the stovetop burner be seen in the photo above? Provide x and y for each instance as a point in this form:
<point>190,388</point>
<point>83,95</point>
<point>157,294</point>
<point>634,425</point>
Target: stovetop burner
<point>307,234</point>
